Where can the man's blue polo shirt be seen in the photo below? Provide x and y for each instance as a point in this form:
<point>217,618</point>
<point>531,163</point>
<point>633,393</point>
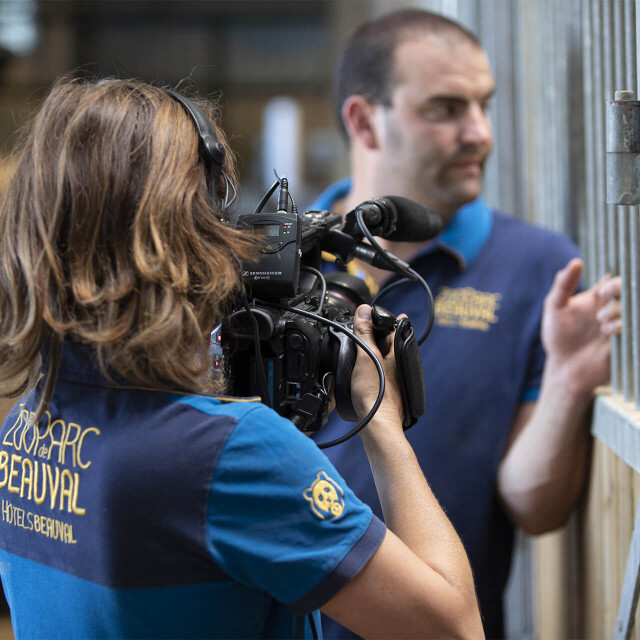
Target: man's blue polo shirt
<point>137,513</point>
<point>489,274</point>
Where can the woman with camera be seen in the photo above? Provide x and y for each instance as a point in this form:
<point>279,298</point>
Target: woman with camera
<point>136,500</point>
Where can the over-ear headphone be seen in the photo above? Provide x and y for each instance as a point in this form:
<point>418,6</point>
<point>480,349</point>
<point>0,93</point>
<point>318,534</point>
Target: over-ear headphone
<point>211,151</point>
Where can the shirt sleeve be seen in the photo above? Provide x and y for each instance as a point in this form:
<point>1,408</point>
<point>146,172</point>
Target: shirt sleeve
<point>281,519</point>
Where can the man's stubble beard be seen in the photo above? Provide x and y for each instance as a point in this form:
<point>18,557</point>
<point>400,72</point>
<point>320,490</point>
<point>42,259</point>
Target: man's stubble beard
<point>456,191</point>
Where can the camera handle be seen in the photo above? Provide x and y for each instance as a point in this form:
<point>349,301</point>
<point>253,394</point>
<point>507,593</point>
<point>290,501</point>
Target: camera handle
<point>408,361</point>
<point>410,373</point>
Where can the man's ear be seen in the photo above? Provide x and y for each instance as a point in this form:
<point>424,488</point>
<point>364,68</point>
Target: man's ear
<point>358,117</point>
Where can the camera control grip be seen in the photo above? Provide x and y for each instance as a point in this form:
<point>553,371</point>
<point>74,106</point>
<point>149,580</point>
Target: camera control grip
<point>410,373</point>
<point>408,361</point>
<point>408,365</point>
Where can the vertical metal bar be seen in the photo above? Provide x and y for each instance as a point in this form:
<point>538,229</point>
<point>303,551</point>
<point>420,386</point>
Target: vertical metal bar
<point>562,175</point>
<point>590,245</point>
<point>630,586</point>
<point>625,222</point>
<point>591,248</point>
<point>555,169</point>
<point>622,215</point>
<point>612,215</point>
<point>626,365</point>
<point>631,26</point>
<point>636,8</point>
<point>574,158</point>
<point>575,188</point>
<point>634,270</point>
<point>550,117</point>
<point>631,66</point>
<point>530,77</point>
<point>544,197</point>
<point>598,136</point>
<point>547,117</point>
<point>519,109</point>
<point>532,51</point>
<point>491,181</point>
<point>619,58</point>
<point>553,166</point>
<point>499,21</point>
<point>632,318</point>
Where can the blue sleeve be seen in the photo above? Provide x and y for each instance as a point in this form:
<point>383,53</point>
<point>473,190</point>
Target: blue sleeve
<point>565,251</point>
<point>281,519</point>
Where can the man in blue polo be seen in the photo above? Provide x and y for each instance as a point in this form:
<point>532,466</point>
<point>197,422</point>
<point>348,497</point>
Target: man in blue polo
<point>514,356</point>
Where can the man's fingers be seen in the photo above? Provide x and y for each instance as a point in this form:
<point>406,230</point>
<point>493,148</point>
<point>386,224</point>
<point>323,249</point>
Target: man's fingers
<point>609,316</point>
<point>610,288</point>
<point>565,283</point>
<point>611,328</point>
<point>610,312</point>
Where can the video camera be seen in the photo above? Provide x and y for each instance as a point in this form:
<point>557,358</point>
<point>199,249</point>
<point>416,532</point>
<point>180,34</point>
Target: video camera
<point>295,331</point>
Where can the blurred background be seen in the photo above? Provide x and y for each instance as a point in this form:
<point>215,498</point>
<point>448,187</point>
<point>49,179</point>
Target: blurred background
<point>556,63</point>
<point>271,60</point>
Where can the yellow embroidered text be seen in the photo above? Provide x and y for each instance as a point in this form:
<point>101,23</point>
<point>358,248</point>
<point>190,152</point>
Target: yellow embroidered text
<point>466,308</point>
<point>49,527</point>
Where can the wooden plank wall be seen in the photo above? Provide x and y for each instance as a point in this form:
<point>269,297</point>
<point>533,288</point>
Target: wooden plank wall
<point>580,569</point>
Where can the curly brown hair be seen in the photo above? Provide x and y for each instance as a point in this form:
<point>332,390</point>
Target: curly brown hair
<point>108,236</point>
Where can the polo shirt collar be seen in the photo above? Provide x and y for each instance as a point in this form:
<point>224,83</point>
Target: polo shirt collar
<point>464,238</point>
<point>467,232</point>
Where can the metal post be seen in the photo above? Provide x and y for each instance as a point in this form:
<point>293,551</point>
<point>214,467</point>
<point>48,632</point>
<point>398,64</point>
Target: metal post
<point>591,249</point>
<point>612,264</point>
<point>598,136</point>
<point>623,149</point>
<point>631,70</point>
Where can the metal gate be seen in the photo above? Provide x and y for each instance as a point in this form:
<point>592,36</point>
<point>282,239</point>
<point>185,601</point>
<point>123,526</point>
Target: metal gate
<point>557,63</point>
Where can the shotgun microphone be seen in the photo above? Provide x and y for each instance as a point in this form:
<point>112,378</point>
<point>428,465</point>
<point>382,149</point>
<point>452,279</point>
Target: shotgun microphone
<point>395,218</point>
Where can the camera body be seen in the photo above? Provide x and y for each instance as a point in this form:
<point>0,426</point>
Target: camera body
<point>295,330</point>
<point>296,351</point>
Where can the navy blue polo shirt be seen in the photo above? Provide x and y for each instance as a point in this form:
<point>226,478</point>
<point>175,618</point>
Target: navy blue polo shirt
<point>489,274</point>
<point>138,513</point>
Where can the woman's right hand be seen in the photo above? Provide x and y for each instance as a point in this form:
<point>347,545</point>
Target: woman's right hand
<point>365,380</point>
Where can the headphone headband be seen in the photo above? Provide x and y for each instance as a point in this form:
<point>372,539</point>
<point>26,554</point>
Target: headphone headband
<point>211,151</point>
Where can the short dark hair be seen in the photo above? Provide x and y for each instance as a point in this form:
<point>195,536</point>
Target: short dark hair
<point>366,64</point>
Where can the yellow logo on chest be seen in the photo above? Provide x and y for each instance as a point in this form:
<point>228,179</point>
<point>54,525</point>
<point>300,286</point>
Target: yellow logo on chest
<point>467,308</point>
<point>326,497</point>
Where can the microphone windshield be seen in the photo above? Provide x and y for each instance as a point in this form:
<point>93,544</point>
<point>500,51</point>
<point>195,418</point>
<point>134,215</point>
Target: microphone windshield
<point>415,223</point>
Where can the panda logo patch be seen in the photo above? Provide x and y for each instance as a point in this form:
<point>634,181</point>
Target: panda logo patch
<point>325,497</point>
